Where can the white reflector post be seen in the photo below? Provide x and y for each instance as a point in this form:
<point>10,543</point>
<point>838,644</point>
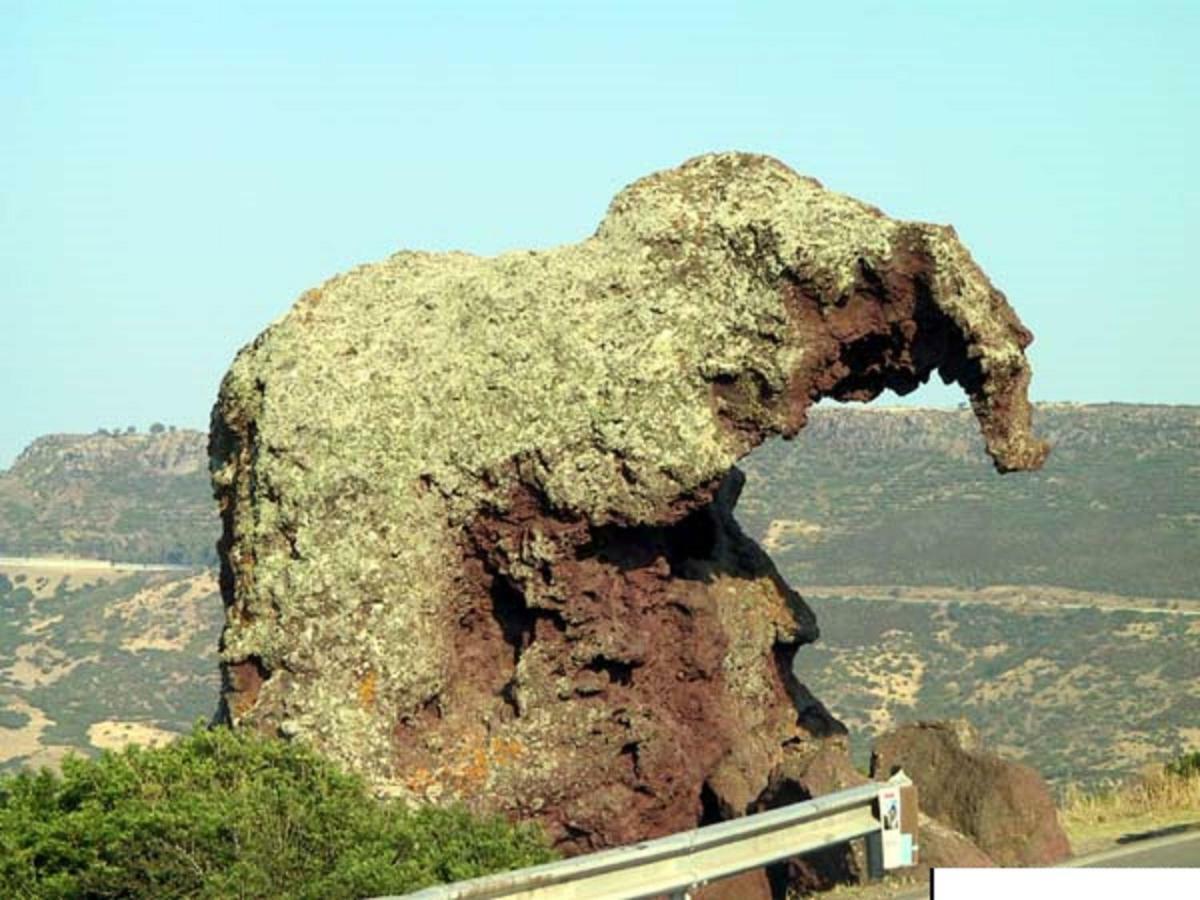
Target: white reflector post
<point>898,822</point>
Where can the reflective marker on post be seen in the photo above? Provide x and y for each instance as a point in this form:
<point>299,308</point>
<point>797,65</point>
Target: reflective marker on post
<point>898,822</point>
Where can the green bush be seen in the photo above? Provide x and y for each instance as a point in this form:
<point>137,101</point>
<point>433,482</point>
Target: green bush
<point>231,814</point>
<point>11,718</point>
<point>18,599</point>
<point>1185,766</point>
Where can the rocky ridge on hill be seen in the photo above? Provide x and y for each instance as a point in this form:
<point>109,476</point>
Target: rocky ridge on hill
<point>132,497</point>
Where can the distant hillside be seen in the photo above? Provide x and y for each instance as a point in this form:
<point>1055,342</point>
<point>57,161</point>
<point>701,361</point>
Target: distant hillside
<point>1085,666</point>
<point>864,495</point>
<point>1082,693</point>
<point>127,497</point>
<point>891,521</point>
<point>906,496</point>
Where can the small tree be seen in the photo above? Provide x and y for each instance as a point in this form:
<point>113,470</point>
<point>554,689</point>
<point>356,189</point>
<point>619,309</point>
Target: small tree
<point>234,814</point>
<point>158,428</point>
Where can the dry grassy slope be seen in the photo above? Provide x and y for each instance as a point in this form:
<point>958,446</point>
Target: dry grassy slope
<point>94,658</point>
<point>1082,694</point>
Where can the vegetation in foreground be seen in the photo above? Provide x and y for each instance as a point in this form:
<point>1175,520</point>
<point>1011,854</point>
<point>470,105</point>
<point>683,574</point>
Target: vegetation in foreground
<point>1159,798</point>
<point>230,814</point>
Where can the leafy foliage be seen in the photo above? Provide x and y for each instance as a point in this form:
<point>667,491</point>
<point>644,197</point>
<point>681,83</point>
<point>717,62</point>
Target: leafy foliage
<point>233,814</point>
<point>1186,765</point>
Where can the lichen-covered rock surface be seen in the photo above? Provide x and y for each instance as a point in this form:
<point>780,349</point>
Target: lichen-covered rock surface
<point>478,512</point>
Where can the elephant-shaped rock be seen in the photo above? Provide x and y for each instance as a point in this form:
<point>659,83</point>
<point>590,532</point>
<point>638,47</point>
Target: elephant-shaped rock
<point>479,540</point>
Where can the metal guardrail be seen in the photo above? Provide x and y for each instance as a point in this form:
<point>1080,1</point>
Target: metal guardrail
<point>678,863</point>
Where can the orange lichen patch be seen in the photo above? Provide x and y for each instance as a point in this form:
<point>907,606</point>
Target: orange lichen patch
<point>470,768</point>
<point>419,781</point>
<point>507,750</point>
<point>474,772</point>
<point>368,688</point>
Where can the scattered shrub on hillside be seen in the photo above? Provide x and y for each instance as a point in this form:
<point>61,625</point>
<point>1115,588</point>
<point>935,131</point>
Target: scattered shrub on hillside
<point>232,814</point>
<point>13,718</point>
<point>18,599</point>
<point>1185,766</point>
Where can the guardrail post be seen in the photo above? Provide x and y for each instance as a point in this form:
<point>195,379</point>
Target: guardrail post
<point>874,842</point>
<point>894,845</point>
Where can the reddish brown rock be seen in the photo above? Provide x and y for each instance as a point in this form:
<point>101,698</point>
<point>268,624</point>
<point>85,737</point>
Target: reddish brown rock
<point>479,541</point>
<point>1005,808</point>
<point>943,847</point>
<point>753,885</point>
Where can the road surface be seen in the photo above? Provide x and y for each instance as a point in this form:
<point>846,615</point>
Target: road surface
<point>1180,850</point>
<point>1175,851</point>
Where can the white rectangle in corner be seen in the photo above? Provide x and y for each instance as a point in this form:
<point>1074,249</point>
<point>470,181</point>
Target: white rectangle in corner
<point>1056,884</point>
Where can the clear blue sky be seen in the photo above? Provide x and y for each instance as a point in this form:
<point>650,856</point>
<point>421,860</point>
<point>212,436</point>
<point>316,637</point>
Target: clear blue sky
<point>173,175</point>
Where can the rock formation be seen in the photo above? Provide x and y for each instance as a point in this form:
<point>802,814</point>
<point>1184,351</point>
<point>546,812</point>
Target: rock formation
<point>944,847</point>
<point>1004,807</point>
<point>479,538</point>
